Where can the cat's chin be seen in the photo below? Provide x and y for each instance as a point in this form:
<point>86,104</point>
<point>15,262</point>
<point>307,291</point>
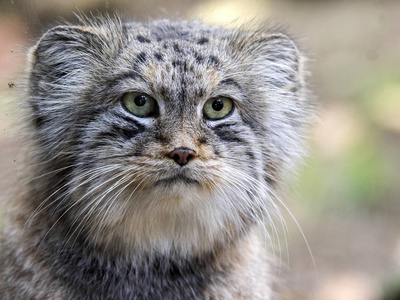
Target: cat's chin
<point>172,181</point>
<point>183,218</point>
<point>177,179</point>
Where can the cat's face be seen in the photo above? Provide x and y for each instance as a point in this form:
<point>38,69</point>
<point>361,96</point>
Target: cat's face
<point>172,134</point>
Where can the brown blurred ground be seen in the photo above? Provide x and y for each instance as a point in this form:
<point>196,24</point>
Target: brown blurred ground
<point>347,196</point>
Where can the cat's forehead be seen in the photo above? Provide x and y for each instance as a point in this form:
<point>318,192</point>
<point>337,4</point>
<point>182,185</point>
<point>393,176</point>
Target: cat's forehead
<point>165,30</point>
<point>177,61</point>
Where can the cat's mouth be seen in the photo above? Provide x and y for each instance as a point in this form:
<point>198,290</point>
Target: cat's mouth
<point>177,178</point>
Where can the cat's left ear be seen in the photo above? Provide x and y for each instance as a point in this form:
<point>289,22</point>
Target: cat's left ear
<point>276,58</point>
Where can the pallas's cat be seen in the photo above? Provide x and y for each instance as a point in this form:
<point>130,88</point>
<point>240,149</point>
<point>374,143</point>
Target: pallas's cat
<point>155,153</point>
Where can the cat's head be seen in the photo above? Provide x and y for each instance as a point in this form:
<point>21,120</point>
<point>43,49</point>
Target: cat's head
<point>168,134</point>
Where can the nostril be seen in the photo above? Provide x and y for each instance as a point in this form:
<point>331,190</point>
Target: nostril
<point>190,156</point>
<point>182,155</point>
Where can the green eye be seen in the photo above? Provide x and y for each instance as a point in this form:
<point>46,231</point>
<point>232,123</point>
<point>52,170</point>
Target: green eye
<point>218,108</point>
<point>140,104</point>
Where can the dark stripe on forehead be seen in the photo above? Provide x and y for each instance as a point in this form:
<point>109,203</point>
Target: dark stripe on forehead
<point>230,81</point>
<point>127,75</point>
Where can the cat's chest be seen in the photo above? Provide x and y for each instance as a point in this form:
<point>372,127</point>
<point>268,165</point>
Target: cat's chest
<point>157,278</point>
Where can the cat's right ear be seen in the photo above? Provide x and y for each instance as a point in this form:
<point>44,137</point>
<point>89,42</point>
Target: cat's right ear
<point>64,50</point>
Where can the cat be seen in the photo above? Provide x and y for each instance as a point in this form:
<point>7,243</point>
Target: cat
<point>155,155</point>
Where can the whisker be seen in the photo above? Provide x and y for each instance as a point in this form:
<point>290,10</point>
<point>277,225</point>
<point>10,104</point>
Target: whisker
<point>40,209</point>
<point>62,215</point>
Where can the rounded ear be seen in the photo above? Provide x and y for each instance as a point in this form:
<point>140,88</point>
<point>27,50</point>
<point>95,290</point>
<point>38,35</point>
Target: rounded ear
<point>64,49</point>
<point>278,48</point>
<point>277,57</point>
<point>63,59</point>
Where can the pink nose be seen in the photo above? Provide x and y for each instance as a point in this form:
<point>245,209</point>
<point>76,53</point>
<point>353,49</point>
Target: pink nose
<point>182,155</point>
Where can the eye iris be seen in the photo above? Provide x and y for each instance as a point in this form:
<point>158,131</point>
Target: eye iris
<point>140,104</point>
<point>140,100</point>
<point>218,108</point>
<point>217,105</point>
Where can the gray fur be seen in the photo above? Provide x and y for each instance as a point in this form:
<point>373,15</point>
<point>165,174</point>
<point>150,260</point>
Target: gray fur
<point>107,213</point>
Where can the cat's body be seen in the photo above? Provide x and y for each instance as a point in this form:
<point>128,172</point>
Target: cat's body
<point>156,154</point>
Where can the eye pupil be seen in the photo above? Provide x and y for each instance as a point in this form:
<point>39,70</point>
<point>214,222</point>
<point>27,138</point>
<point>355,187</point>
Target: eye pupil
<point>217,105</point>
<point>140,100</point>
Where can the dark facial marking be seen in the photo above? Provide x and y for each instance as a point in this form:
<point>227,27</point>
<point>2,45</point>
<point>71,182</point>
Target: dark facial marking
<point>176,63</point>
<point>201,93</point>
<point>199,58</point>
<point>230,81</point>
<point>126,132</point>
<point>251,155</point>
<point>213,60</point>
<point>202,41</point>
<point>127,127</point>
<point>129,120</point>
<point>142,39</point>
<point>227,134</point>
<point>202,140</point>
<point>159,56</point>
<point>176,48</point>
<point>141,58</point>
<point>223,125</point>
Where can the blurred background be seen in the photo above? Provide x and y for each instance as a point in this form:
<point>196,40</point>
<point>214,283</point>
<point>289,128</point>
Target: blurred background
<point>347,195</point>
